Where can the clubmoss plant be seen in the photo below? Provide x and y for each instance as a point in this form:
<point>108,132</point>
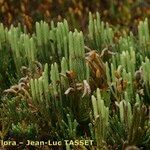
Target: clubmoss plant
<point>63,84</point>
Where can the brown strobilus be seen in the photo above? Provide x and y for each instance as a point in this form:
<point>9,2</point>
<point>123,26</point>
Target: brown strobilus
<point>97,66</point>
<point>76,86</point>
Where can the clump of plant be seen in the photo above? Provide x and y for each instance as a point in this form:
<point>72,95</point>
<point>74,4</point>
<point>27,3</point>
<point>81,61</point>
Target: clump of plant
<point>67,85</point>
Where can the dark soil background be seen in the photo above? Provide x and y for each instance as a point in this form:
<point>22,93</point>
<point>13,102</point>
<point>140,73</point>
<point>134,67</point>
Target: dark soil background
<point>126,13</point>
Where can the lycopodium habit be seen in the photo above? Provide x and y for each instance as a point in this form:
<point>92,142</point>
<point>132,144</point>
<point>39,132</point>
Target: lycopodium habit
<point>73,85</point>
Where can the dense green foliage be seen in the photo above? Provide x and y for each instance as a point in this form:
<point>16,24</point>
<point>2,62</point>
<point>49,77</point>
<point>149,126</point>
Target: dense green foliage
<point>62,84</point>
